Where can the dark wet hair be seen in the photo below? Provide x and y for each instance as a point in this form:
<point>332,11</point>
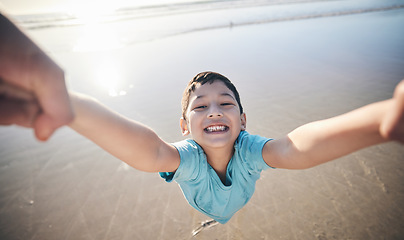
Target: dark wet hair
<point>207,77</point>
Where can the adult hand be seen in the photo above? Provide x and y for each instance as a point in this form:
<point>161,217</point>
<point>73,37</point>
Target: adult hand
<point>32,86</point>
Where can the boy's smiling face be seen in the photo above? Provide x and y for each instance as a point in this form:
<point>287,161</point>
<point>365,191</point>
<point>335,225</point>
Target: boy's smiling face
<point>213,116</point>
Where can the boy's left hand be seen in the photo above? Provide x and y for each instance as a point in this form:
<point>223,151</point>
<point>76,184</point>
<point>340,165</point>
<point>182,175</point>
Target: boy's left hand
<point>392,126</point>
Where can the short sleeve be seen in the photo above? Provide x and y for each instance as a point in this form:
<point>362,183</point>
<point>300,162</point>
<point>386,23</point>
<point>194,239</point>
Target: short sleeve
<point>190,158</point>
<point>249,148</point>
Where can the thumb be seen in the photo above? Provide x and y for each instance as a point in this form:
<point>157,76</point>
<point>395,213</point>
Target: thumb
<point>44,126</point>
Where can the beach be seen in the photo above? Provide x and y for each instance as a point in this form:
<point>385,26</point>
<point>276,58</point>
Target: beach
<point>288,73</point>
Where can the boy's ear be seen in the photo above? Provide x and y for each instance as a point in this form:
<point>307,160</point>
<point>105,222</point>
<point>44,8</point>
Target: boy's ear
<point>243,119</point>
<point>184,127</point>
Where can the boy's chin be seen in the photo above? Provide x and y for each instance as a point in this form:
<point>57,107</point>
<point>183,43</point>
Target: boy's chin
<point>216,143</point>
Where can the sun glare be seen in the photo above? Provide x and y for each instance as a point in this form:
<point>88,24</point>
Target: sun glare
<point>108,76</point>
<point>94,34</point>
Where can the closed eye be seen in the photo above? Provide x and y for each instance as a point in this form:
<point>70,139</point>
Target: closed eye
<point>227,104</point>
<point>200,107</point>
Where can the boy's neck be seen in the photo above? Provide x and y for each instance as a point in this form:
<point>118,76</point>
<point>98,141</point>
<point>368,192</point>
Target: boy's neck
<point>218,159</point>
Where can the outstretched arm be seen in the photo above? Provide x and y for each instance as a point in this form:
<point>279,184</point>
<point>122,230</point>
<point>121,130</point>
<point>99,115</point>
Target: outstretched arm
<point>322,141</point>
<point>131,142</point>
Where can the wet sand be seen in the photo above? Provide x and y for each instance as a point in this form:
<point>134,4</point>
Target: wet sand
<point>287,73</point>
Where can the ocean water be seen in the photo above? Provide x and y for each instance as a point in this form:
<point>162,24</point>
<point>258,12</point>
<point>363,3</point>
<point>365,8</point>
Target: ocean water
<point>91,28</point>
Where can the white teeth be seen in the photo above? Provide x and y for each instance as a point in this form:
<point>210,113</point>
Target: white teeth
<point>216,128</point>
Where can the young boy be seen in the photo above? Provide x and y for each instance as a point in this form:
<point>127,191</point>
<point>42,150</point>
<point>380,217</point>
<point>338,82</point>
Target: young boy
<point>217,168</point>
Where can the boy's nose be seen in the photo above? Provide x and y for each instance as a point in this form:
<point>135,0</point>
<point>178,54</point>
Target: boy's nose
<point>215,115</point>
<point>215,112</point>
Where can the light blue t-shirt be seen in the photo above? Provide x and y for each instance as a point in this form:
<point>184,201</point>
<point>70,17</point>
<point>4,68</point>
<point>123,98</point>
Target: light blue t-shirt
<point>203,188</point>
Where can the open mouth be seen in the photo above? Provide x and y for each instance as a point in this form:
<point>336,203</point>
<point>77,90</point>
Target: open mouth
<point>216,129</point>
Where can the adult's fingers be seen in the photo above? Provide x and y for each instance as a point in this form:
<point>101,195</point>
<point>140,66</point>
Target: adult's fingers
<point>17,106</point>
<point>10,91</point>
<point>22,113</point>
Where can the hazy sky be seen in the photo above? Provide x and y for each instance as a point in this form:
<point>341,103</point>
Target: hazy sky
<point>40,6</point>
<point>27,6</point>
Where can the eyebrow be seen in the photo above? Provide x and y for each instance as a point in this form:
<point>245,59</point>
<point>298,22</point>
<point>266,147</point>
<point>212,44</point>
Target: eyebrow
<point>222,94</point>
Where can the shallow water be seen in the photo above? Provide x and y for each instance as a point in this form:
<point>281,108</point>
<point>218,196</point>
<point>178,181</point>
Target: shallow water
<point>92,30</point>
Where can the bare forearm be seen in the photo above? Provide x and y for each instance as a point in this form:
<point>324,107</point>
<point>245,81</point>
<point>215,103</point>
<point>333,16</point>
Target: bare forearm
<point>127,140</point>
<point>322,141</point>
